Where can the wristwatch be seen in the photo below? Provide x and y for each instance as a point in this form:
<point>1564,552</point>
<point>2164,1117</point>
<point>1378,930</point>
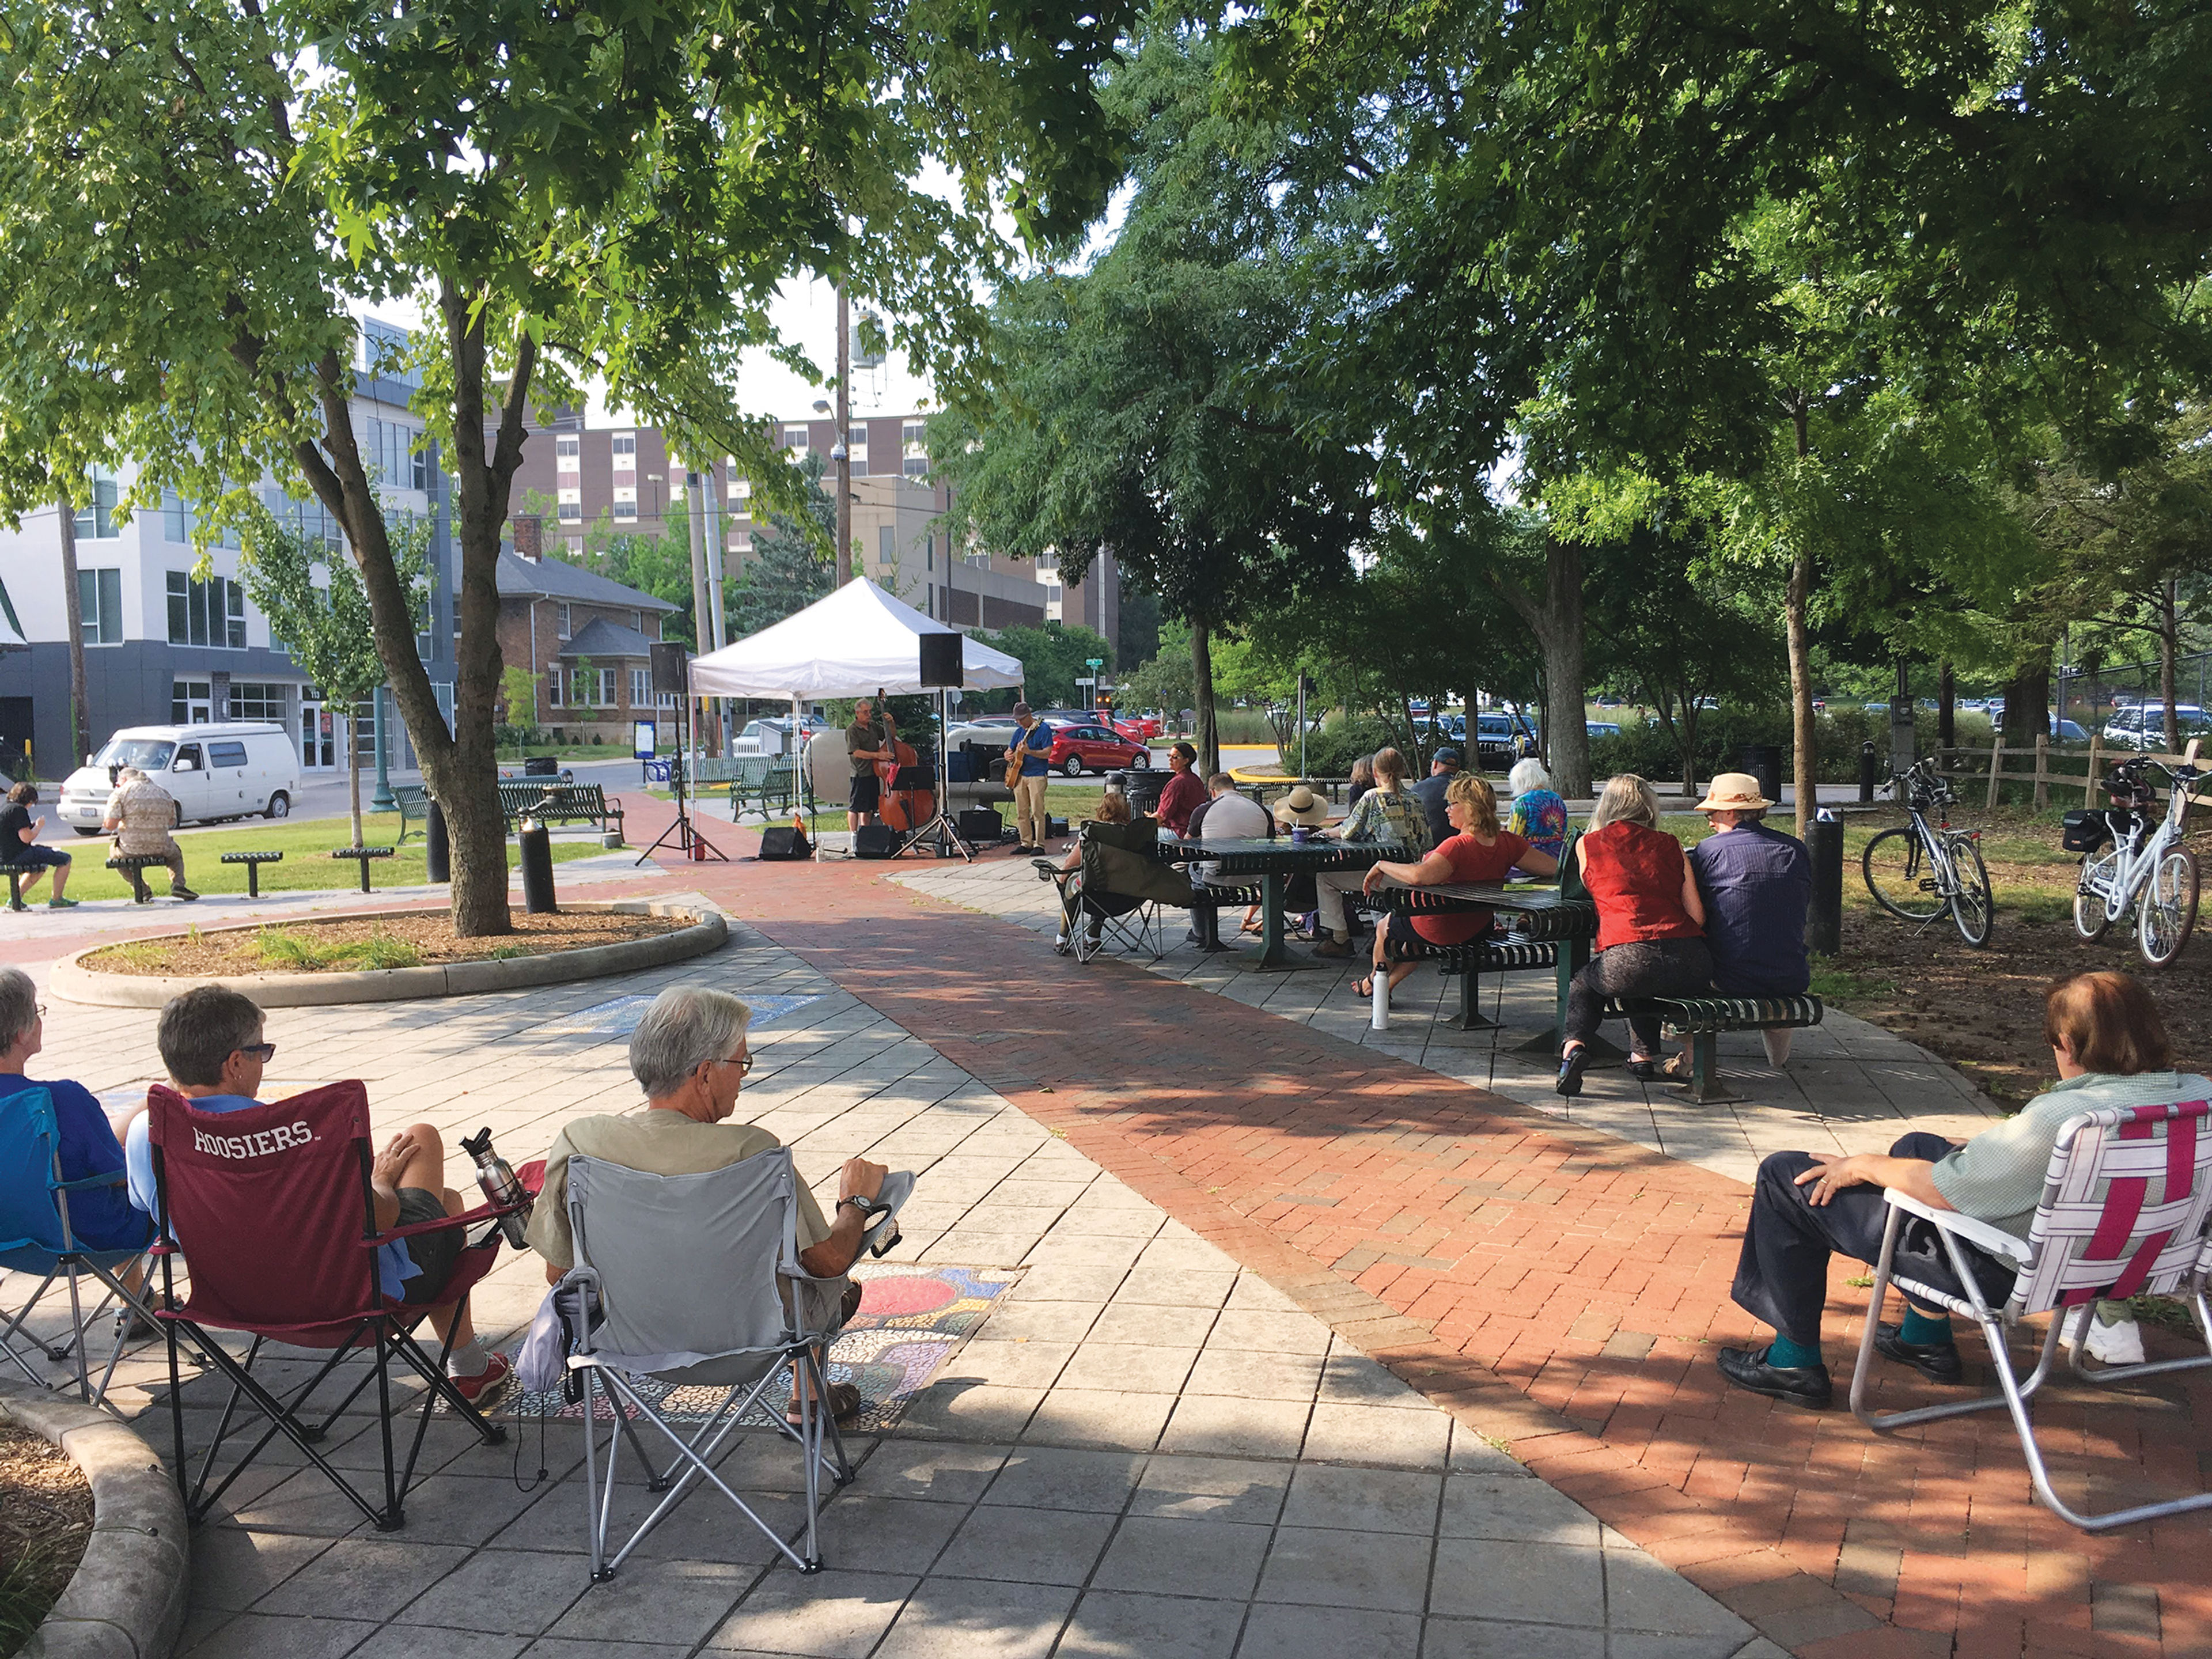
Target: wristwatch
<point>867,1206</point>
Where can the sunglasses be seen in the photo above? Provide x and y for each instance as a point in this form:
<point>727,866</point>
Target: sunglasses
<point>264,1052</point>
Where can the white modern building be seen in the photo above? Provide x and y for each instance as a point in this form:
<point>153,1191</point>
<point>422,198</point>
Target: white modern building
<point>161,645</point>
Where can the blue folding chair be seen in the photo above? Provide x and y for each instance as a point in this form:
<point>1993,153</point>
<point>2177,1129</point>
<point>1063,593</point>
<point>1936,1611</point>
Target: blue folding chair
<point>35,1238</point>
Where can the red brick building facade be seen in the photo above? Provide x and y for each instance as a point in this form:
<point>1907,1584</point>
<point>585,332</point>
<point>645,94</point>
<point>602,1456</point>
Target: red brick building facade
<point>585,640</point>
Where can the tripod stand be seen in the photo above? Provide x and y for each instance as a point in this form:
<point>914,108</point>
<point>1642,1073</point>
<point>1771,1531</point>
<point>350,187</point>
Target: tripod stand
<point>939,830</point>
<point>687,841</point>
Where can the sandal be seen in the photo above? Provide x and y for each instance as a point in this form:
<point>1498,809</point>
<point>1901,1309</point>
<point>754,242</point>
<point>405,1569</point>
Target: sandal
<point>845,1403</point>
<point>1681,1067</point>
<point>1363,988</point>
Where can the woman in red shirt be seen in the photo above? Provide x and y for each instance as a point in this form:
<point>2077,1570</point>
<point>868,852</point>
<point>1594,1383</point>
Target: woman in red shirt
<point>1650,926</point>
<point>1185,792</point>
<point>1479,850</point>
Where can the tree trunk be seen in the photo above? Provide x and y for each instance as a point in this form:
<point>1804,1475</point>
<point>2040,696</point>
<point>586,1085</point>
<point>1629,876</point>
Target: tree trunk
<point>2025,700</point>
<point>1202,679</point>
<point>1686,739</point>
<point>353,773</point>
<point>2169,643</point>
<point>1947,698</point>
<point>1565,718</point>
<point>80,716</point>
<point>1805,732</point>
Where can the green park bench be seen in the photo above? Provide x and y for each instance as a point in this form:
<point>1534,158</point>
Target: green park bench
<point>414,800</point>
<point>1702,1019</point>
<point>253,861</point>
<point>361,856</point>
<point>553,803</point>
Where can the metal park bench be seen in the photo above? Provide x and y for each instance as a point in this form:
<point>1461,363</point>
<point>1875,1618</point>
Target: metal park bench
<point>560,803</point>
<point>1702,1019</point>
<point>361,856</point>
<point>253,861</point>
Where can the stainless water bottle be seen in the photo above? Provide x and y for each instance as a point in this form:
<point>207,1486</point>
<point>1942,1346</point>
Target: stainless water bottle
<point>497,1178</point>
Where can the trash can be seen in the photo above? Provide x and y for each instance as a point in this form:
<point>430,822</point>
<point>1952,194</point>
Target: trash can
<point>537,862</point>
<point>437,844</point>
<point>1764,762</point>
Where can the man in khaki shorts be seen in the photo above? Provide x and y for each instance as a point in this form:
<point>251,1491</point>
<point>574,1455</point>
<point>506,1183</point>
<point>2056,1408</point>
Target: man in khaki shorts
<point>140,815</point>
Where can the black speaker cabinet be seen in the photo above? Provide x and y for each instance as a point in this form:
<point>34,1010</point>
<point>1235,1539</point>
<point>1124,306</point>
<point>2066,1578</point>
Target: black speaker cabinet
<point>670,676</point>
<point>980,824</point>
<point>941,662</point>
<point>876,841</point>
<point>782,842</point>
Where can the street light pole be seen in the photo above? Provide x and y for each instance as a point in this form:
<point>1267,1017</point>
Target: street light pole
<point>842,451</point>
<point>384,800</point>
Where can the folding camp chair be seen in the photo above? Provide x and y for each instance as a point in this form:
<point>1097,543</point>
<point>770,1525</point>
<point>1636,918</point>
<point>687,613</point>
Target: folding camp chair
<point>1117,889</point>
<point>36,1237</point>
<point>272,1207</point>
<point>2097,1234</point>
<point>699,1285</point>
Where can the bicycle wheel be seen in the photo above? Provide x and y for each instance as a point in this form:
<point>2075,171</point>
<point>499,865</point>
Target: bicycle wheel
<point>1973,908</point>
<point>2091,920</point>
<point>2168,909</point>
<point>1897,874</point>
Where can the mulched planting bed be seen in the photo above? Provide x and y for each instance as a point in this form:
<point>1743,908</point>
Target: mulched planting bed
<point>414,939</point>
<point>46,1516</point>
<point>1983,1009</point>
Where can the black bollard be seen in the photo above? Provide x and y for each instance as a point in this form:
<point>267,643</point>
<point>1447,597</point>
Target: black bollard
<point>1824,922</point>
<point>1868,761</point>
<point>536,843</point>
<point>437,846</point>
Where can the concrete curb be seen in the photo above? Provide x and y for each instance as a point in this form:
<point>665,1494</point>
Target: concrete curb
<point>127,1600</point>
<point>74,983</point>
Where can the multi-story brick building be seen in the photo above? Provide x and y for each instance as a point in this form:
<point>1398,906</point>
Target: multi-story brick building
<point>627,476</point>
<point>585,640</point>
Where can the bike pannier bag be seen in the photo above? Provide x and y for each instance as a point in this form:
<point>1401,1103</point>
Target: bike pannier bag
<point>2086,831</point>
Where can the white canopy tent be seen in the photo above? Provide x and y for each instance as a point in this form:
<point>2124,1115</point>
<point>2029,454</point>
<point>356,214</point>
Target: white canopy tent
<point>858,640</point>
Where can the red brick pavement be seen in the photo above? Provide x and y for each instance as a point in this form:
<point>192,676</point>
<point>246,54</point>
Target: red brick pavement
<point>1557,1290</point>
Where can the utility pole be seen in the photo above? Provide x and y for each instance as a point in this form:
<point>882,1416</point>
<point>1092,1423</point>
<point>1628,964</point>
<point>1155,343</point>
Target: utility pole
<point>842,451</point>
<point>703,611</point>
<point>713,507</point>
<point>80,717</point>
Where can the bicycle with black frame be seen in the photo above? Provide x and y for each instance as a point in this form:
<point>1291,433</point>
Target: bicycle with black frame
<point>1921,870</point>
<point>2148,870</point>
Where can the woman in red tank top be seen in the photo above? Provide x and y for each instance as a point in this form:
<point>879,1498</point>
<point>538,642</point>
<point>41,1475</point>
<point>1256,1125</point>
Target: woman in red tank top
<point>1651,926</point>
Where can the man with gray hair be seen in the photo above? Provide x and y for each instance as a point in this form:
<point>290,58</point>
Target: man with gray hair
<point>140,815</point>
<point>689,1056</point>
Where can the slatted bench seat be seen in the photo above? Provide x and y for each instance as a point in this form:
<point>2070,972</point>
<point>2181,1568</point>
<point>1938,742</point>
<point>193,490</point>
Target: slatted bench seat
<point>361,856</point>
<point>1702,1019</point>
<point>253,861</point>
<point>560,803</point>
<point>17,874</point>
<point>133,864</point>
<point>1491,954</point>
<point>769,783</point>
<point>414,800</point>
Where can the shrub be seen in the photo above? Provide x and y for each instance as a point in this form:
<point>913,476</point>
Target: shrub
<point>1342,740</point>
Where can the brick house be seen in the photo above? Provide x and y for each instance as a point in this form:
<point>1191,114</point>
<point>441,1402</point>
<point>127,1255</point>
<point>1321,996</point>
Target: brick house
<point>585,640</point>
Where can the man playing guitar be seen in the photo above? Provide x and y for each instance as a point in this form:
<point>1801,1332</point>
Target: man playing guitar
<point>1026,772</point>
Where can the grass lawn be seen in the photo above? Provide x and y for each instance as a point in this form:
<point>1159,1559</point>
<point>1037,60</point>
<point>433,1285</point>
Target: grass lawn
<point>307,864</point>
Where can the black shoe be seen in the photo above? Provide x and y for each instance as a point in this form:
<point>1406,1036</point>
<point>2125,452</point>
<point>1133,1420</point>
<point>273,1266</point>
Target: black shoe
<point>184,893</point>
<point>1801,1385</point>
<point>1572,1068</point>
<point>1938,1362</point>
<point>1643,1071</point>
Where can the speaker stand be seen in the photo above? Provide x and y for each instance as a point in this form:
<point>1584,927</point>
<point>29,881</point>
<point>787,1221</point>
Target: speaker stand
<point>940,830</point>
<point>687,841</point>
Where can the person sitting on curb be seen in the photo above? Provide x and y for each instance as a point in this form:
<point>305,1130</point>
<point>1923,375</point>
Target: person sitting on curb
<point>211,1039</point>
<point>689,1056</point>
<point>1757,883</point>
<point>19,844</point>
<point>2111,1048</point>
<point>140,815</point>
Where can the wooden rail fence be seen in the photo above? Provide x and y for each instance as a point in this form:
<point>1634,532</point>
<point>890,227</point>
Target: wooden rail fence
<point>2053,768</point>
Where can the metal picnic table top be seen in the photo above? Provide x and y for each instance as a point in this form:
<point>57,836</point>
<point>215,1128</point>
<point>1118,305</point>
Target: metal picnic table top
<point>1280,856</point>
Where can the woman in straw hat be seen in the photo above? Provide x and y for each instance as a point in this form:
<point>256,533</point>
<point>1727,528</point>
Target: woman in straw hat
<point>1651,926</point>
<point>1757,883</point>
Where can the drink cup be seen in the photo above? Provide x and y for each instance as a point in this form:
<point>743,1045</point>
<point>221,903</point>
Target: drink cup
<point>1299,832</point>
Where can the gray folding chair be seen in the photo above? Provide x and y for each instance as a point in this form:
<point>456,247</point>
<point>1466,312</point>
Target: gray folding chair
<point>699,1285</point>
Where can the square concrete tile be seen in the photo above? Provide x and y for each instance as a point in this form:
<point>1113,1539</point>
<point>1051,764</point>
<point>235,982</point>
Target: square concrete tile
<point>1105,1418</point>
<point>266,1636</point>
<point>1286,1632</point>
<point>1519,1508</point>
<point>1386,1572</point>
<point>1211,1489</point>
<point>1363,1500</point>
<point>963,1619</point>
<point>559,1647</point>
<point>832,1615</point>
<point>682,1601</point>
<point>1176,1288</point>
<point>1463,1639</point>
<point>1554,1584</point>
<point>418,1642</point>
<point>1010,1320</point>
<point>369,1577</point>
<point>1110,1624</point>
<point>1214,1558</point>
<point>233,1568</point>
<point>1151,1326</point>
<point>1253,1374</point>
<point>1642,1593</point>
<point>462,1508</point>
<point>1026,1545</point>
<point>886,1534</point>
<point>1360,1434</point>
<point>507,1592</point>
<point>1056,1281</point>
<point>1217,1425</point>
<point>1016,1365</point>
<point>1128,1368</point>
<point>1054,1478</point>
<point>1256,1292</point>
<point>970,1411</point>
<point>1354,1379</point>
<point>938,1471</point>
<point>1267,1331</point>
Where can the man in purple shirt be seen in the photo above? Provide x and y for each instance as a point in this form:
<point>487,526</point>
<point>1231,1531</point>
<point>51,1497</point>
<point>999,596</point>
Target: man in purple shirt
<point>1757,883</point>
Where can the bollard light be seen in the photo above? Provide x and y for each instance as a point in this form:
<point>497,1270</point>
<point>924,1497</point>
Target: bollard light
<point>1824,920</point>
<point>536,843</point>
<point>437,844</point>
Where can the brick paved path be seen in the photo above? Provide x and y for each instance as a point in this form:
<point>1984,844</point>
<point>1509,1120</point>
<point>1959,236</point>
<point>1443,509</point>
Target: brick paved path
<point>1557,1290</point>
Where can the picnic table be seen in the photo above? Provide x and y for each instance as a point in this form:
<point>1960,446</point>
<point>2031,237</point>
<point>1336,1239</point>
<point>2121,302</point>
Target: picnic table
<point>1540,911</point>
<point>1272,861</point>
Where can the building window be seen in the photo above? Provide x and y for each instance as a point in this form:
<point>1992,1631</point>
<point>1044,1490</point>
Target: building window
<point>191,702</point>
<point>391,452</point>
<point>741,541</point>
<point>741,489</point>
<point>915,466</point>
<point>176,522</point>
<point>886,545</point>
<point>95,520</point>
<point>572,511</point>
<point>795,437</point>
<point>911,434</point>
<point>568,453</point>
<point>929,551</point>
<point>99,606</point>
<point>856,437</point>
<point>640,688</point>
<point>625,451</point>
<point>553,688</point>
<point>253,700</point>
<point>626,511</point>
<point>210,613</point>
<point>560,622</point>
<point>591,688</point>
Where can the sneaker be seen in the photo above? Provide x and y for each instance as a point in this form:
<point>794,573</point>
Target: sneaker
<point>184,893</point>
<point>1938,1362</point>
<point>59,903</point>
<point>2119,1344</point>
<point>482,1386</point>
<point>1801,1385</point>
<point>1334,947</point>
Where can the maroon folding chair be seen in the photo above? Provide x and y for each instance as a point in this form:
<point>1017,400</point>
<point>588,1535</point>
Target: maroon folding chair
<point>272,1209</point>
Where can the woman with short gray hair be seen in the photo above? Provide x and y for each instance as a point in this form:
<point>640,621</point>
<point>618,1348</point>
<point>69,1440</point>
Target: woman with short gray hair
<point>101,1218</point>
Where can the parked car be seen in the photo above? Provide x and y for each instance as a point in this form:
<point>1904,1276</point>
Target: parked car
<point>1138,728</point>
<point>216,772</point>
<point>1501,737</point>
<point>2067,730</point>
<point>1602,728</point>
<point>1076,749</point>
<point>2144,727</point>
<point>772,736</point>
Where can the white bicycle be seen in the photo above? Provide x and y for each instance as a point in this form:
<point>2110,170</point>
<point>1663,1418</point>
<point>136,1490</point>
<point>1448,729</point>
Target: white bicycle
<point>2147,868</point>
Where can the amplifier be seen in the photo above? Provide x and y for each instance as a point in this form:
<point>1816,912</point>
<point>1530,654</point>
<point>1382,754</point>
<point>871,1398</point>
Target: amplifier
<point>876,841</point>
<point>980,824</point>
<point>782,842</point>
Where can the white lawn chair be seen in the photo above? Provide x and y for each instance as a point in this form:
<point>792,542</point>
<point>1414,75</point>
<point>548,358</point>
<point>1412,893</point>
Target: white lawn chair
<point>2098,1233</point>
<point>698,1284</point>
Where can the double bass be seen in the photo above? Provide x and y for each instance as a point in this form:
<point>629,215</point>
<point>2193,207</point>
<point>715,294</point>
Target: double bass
<point>904,810</point>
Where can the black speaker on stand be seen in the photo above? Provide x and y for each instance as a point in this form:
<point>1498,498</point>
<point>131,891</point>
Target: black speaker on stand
<point>943,666</point>
<point>671,677</point>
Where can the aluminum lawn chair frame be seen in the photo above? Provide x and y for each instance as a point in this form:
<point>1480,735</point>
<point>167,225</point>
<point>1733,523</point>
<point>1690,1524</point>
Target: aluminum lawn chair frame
<point>2096,1235</point>
<point>272,1207</point>
<point>36,1237</point>
<point>698,1283</point>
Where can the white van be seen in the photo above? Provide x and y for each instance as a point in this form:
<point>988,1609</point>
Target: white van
<point>216,772</point>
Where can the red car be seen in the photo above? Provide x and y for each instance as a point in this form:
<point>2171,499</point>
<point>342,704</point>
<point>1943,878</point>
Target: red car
<point>1078,748</point>
<point>1136,727</point>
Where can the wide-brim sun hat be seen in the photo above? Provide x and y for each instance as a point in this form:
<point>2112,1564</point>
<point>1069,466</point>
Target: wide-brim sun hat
<point>1734,791</point>
<point>1301,807</point>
